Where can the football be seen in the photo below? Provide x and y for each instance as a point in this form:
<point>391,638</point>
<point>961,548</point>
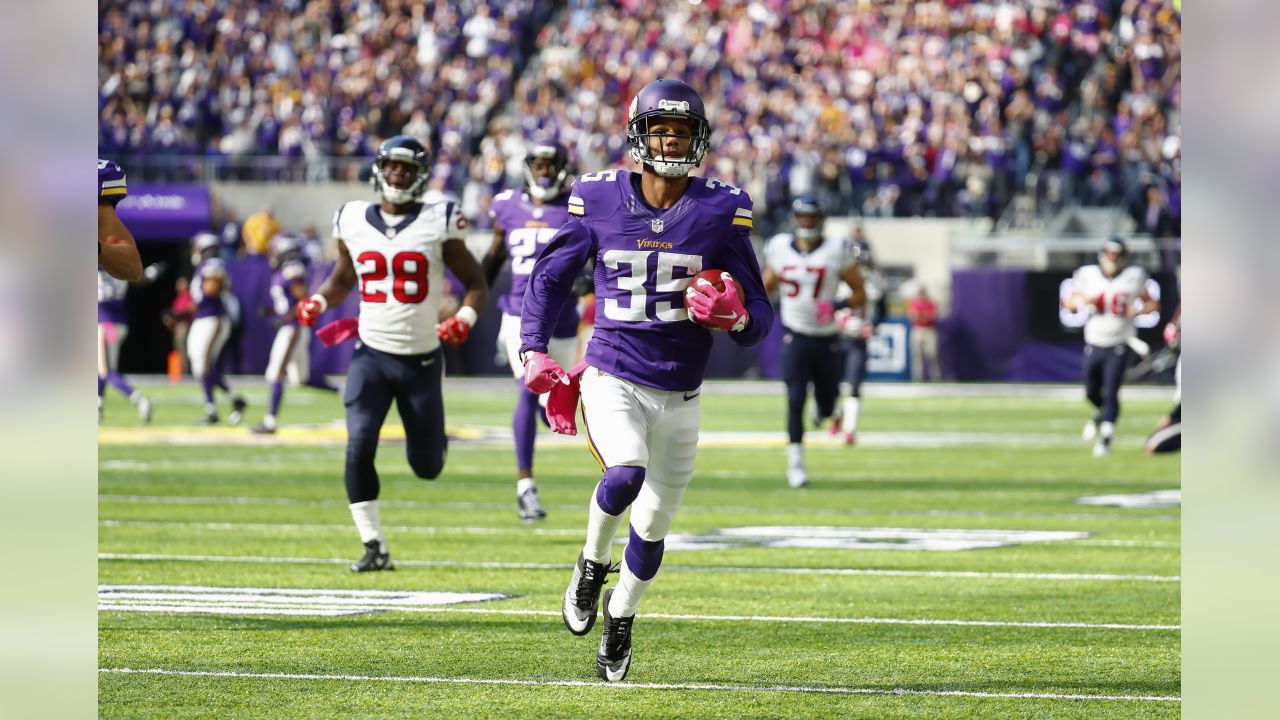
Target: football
<point>713,276</point>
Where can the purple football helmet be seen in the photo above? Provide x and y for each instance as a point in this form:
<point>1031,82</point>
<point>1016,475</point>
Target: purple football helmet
<point>668,98</point>
<point>548,188</point>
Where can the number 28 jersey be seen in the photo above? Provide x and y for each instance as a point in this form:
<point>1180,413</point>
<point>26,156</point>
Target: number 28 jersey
<point>399,263</point>
<point>1110,299</point>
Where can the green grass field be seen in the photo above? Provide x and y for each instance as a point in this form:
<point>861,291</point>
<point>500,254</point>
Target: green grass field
<point>1083,627</point>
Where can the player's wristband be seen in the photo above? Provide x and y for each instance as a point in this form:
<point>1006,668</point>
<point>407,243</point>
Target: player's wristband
<point>467,314</point>
<point>324,304</point>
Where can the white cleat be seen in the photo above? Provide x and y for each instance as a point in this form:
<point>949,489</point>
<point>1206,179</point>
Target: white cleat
<point>144,410</point>
<point>797,477</point>
<point>1090,431</point>
<point>1101,449</point>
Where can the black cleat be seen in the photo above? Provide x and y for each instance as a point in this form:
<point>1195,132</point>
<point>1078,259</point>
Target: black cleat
<point>237,410</point>
<point>614,658</point>
<point>209,419</point>
<point>529,507</point>
<point>374,559</point>
<point>582,597</point>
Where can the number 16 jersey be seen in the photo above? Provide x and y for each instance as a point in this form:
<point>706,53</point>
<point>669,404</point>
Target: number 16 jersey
<point>399,262</point>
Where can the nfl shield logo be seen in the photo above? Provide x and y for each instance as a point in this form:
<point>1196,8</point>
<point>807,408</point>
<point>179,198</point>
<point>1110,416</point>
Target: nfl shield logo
<point>656,224</point>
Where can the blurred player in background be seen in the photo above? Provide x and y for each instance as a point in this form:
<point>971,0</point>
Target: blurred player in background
<point>1167,436</point>
<point>396,250</point>
<point>809,269</point>
<point>216,308</point>
<point>117,250</point>
<point>1114,295</point>
<point>113,328</point>
<point>857,323</point>
<point>641,380</point>
<point>291,350</point>
<point>523,223</point>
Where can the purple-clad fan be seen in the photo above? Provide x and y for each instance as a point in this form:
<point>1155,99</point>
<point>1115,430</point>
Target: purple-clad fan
<point>649,234</point>
<point>290,351</point>
<point>211,328</point>
<point>523,223</point>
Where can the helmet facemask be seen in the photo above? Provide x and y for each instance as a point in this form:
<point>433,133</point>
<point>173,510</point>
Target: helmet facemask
<point>639,135</point>
<point>547,187</point>
<point>1112,267</point>
<point>395,195</point>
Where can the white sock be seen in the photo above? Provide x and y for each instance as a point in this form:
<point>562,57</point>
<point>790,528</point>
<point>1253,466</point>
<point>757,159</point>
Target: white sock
<point>601,527</point>
<point>524,484</point>
<point>135,397</point>
<point>369,522</point>
<point>849,414</point>
<point>795,455</point>
<point>269,422</point>
<point>1106,430</point>
<point>626,596</point>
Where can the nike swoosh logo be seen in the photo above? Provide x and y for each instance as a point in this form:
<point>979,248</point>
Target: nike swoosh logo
<point>428,362</point>
<point>687,396</point>
<point>730,316</point>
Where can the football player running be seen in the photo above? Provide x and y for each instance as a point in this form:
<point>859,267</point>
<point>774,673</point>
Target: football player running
<point>291,350</point>
<point>1114,295</point>
<point>809,269</point>
<point>396,250</point>
<point>211,328</point>
<point>113,328</point>
<point>117,250</point>
<point>649,233</point>
<point>857,324</point>
<point>523,223</point>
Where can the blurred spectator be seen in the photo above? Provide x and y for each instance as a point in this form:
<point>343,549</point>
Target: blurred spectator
<point>258,229</point>
<point>922,311</point>
<point>1153,216</point>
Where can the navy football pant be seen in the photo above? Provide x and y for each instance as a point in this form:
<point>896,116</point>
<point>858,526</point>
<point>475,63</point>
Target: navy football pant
<point>375,379</point>
<point>1103,371</point>
<point>855,365</point>
<point>809,359</point>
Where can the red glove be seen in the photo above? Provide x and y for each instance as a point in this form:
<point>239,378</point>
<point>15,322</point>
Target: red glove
<point>826,311</point>
<point>562,404</point>
<point>309,310</point>
<point>541,373</point>
<point>717,308</point>
<point>454,331</point>
<point>1100,303</point>
<point>1171,333</point>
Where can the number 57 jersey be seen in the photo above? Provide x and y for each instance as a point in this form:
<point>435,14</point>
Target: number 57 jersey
<point>645,258</point>
<point>399,261</point>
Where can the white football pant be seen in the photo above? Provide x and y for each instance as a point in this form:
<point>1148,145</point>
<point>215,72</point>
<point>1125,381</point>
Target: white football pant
<point>204,342</point>
<point>630,424</point>
<point>290,355</point>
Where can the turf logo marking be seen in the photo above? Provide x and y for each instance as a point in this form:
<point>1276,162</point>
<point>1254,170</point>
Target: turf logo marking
<point>854,538</point>
<point>1153,499</point>
<point>275,601</point>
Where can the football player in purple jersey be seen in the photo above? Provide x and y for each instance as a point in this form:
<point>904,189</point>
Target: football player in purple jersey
<point>523,223</point>
<point>290,351</point>
<point>113,328</point>
<point>649,233</point>
<point>211,328</point>
<point>117,250</point>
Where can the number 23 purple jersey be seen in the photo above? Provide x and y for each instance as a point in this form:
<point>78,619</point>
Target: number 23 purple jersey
<point>645,258</point>
<point>528,228</point>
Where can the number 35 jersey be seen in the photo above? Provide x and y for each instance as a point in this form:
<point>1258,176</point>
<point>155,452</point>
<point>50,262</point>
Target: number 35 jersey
<point>644,260</point>
<point>399,261</point>
<point>528,228</point>
<point>1110,299</point>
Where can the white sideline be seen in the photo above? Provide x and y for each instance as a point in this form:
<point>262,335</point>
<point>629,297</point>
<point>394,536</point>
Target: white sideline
<point>639,686</point>
<point>1105,577</point>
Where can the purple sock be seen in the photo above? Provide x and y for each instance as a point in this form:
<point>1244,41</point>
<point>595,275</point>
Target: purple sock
<point>102,386</point>
<point>216,378</point>
<point>121,384</point>
<point>277,393</point>
<point>207,383</point>
<point>524,426</point>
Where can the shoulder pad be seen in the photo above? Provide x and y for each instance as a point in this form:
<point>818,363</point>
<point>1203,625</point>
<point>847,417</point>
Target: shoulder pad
<point>596,192</point>
<point>111,182</point>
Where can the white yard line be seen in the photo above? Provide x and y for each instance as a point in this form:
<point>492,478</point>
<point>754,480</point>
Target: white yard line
<point>638,686</point>
<point>1087,577</point>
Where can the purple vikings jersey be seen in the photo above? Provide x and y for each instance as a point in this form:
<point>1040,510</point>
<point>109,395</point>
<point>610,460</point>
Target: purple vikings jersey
<point>111,292</point>
<point>208,306</point>
<point>645,259</point>
<point>111,185</point>
<point>528,228</point>
<point>282,301</point>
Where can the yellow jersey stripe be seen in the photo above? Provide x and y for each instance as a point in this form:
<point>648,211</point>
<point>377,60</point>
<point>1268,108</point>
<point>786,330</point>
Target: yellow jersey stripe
<point>114,191</point>
<point>745,222</point>
<point>577,210</point>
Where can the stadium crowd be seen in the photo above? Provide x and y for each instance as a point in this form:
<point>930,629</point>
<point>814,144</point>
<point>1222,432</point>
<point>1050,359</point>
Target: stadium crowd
<point>879,107</point>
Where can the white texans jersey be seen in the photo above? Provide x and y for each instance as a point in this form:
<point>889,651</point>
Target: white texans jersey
<point>1109,300</point>
<point>399,263</point>
<point>807,279</point>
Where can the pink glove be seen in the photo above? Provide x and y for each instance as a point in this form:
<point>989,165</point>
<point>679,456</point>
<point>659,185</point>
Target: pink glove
<point>717,308</point>
<point>1171,333</point>
<point>308,311</point>
<point>826,311</point>
<point>338,331</point>
<point>562,403</point>
<point>541,373</point>
<point>454,330</point>
<point>867,331</point>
